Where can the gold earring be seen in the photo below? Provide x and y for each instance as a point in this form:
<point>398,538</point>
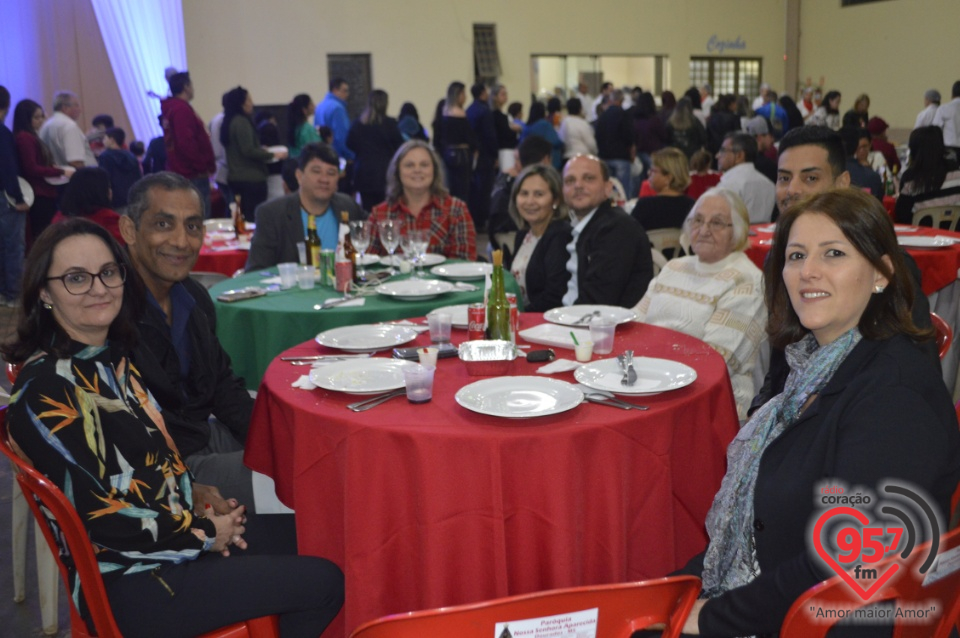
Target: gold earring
<point>47,306</point>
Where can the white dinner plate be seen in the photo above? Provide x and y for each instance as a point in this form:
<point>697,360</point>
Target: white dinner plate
<point>280,148</point>
<point>361,376</point>
<point>519,397</point>
<point>415,289</point>
<point>430,259</point>
<point>366,338</point>
<point>653,375</point>
<point>26,190</point>
<point>463,270</point>
<point>59,180</point>
<point>570,315</point>
<point>940,241</point>
<point>557,336</point>
<point>458,314</point>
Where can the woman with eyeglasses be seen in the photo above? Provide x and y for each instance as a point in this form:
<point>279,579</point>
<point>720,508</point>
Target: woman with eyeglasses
<point>173,555</point>
<point>716,294</point>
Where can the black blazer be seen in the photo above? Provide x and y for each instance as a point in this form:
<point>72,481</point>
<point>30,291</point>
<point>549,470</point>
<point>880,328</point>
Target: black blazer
<point>547,273</point>
<point>210,387</point>
<point>280,227</point>
<point>614,263</point>
<point>886,413</point>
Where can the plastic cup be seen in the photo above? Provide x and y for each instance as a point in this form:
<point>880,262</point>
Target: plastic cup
<point>601,334</point>
<point>305,277</point>
<point>419,382</point>
<point>440,324</point>
<point>288,275</point>
<point>302,252</point>
<point>584,351</point>
<point>428,357</point>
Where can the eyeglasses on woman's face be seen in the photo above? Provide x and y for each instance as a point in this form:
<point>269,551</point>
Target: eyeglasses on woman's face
<point>80,282</point>
<point>715,225</point>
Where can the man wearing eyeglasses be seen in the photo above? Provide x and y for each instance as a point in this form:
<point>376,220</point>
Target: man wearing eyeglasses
<point>179,356</point>
<point>735,159</point>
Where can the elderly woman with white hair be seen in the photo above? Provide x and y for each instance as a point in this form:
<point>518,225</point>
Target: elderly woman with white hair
<point>716,294</point>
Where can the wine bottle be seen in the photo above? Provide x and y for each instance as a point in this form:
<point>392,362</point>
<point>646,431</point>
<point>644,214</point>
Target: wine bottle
<point>313,242</point>
<point>239,225</point>
<point>498,308</point>
<point>348,250</point>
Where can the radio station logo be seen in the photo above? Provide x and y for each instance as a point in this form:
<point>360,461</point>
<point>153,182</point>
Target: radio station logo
<point>866,541</point>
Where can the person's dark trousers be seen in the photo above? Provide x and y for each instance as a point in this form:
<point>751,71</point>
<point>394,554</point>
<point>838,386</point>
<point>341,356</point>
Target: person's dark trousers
<point>252,194</point>
<point>40,216</point>
<point>480,189</point>
<point>369,199</point>
<point>203,185</point>
<point>214,591</point>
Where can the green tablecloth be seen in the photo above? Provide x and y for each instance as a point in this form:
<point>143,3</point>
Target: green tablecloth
<point>255,331</point>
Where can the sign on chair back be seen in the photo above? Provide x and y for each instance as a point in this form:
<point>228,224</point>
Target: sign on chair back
<point>59,514</point>
<point>604,611</point>
<point>923,605</point>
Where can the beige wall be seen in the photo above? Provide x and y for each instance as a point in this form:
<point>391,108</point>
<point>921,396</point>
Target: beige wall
<point>892,51</point>
<point>278,48</point>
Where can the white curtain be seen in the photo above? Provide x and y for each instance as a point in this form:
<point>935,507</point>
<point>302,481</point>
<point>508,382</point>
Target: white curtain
<point>20,48</point>
<point>142,38</point>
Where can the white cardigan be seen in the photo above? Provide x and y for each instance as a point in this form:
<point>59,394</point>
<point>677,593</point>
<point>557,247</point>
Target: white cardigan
<point>720,303</point>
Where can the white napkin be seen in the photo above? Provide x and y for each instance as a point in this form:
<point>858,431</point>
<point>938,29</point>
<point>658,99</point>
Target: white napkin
<point>407,324</point>
<point>560,365</point>
<point>902,228</point>
<point>359,301</point>
<point>304,383</point>
<point>271,280</point>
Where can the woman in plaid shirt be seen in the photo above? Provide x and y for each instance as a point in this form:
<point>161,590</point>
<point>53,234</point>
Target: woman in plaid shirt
<point>416,196</point>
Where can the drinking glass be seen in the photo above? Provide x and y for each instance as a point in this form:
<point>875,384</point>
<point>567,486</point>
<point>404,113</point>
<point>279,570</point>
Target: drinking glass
<point>360,236</point>
<point>419,241</point>
<point>390,238</point>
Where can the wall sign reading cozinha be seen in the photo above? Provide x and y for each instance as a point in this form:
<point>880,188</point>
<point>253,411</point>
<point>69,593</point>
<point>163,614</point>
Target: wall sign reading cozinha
<point>719,45</point>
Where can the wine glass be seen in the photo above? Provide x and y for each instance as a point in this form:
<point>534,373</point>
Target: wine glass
<point>419,241</point>
<point>360,236</point>
<point>407,247</point>
<point>390,238</point>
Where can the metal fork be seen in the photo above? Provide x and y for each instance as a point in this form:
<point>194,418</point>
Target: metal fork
<point>587,318</point>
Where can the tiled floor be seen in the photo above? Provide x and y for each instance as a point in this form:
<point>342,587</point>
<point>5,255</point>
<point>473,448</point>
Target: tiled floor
<point>18,620</point>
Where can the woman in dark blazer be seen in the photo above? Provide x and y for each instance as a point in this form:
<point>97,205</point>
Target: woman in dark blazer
<point>374,138</point>
<point>863,404</point>
<point>540,250</point>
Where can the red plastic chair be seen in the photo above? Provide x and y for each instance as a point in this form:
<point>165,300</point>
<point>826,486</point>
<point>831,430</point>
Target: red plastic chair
<point>623,609</point>
<point>40,490</point>
<point>944,333</point>
<point>955,501</point>
<point>905,588</point>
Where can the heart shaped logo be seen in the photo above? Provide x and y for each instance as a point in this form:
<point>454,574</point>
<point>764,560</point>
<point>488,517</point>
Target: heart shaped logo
<point>865,594</point>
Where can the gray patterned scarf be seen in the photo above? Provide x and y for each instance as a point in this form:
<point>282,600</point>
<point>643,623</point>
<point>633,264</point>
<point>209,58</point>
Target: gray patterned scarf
<point>731,560</point>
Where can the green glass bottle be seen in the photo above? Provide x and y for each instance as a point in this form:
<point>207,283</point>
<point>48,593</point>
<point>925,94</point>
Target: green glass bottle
<point>498,308</point>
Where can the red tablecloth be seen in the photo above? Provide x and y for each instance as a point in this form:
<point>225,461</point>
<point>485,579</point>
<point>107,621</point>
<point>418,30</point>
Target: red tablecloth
<point>221,260</point>
<point>429,505</point>
<point>890,204</point>
<point>938,267</point>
